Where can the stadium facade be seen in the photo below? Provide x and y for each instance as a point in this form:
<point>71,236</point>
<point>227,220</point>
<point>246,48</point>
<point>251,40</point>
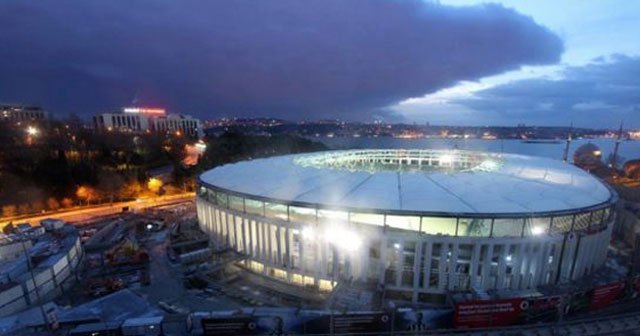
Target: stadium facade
<point>417,222</point>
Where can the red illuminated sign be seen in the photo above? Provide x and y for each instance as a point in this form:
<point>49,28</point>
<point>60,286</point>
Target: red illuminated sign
<point>144,110</point>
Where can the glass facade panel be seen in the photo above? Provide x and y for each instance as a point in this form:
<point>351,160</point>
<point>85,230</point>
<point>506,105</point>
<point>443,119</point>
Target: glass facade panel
<point>411,223</point>
<point>439,225</point>
<point>302,215</point>
<point>221,199</point>
<point>474,227</point>
<point>275,210</point>
<point>254,207</point>
<point>211,196</point>
<point>598,218</point>
<point>507,227</point>
<point>236,203</point>
<point>582,221</point>
<point>561,224</point>
<point>367,218</point>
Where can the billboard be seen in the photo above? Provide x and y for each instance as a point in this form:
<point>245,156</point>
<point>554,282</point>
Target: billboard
<point>489,313</point>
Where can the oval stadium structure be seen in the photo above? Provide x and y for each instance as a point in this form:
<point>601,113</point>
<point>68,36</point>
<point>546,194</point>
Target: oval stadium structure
<point>417,223</point>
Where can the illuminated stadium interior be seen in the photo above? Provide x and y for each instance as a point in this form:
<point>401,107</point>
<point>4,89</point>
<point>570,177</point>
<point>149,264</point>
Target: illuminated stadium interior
<point>402,160</point>
<point>419,222</point>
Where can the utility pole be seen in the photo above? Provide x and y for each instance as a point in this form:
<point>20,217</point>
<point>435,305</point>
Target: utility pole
<point>614,157</point>
<point>565,154</point>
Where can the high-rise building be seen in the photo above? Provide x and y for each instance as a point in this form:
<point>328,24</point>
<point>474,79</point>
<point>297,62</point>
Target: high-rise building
<point>140,119</point>
<point>21,113</point>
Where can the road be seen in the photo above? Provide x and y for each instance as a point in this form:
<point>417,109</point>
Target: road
<point>88,213</point>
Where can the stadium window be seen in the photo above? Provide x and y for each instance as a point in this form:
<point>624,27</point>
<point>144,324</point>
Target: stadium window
<point>411,223</point>
<point>367,218</point>
<point>475,227</point>
<point>438,225</point>
<point>302,214</point>
<point>275,210</point>
<point>254,207</point>
<point>507,227</point>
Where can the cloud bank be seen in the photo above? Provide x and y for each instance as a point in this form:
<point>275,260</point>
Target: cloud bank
<point>599,94</point>
<point>292,59</point>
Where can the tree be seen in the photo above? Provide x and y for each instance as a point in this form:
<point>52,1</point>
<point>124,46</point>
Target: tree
<point>67,202</point>
<point>24,209</point>
<point>9,210</point>
<point>53,204</point>
<point>131,189</point>
<point>110,184</point>
<point>86,193</point>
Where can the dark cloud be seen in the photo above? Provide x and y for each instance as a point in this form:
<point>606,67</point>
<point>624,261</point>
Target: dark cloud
<point>599,94</point>
<point>294,59</point>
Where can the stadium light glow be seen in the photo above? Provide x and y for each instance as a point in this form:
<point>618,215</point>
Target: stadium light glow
<point>446,158</point>
<point>343,239</point>
<point>308,233</point>
<point>537,230</point>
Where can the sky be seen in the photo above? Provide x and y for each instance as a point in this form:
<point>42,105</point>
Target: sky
<point>455,62</point>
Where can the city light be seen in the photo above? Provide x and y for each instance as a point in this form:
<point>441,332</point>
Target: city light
<point>32,131</point>
<point>201,146</point>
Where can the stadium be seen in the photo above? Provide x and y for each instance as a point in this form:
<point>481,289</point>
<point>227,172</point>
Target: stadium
<point>418,223</point>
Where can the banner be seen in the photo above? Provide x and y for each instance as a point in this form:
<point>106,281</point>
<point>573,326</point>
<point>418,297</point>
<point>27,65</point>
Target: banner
<point>490,313</point>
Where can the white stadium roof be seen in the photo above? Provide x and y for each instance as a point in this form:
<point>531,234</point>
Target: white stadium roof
<point>519,184</point>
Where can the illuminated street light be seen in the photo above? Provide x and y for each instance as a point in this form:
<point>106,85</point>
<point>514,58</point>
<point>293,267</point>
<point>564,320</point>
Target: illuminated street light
<point>154,184</point>
<point>32,131</point>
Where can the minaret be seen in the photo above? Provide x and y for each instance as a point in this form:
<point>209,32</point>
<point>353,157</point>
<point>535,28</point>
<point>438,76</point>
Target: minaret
<point>565,155</point>
<point>614,157</point>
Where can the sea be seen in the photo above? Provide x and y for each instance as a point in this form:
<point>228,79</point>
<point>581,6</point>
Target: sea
<point>628,150</point>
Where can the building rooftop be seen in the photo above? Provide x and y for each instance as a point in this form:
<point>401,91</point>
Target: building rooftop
<point>434,181</point>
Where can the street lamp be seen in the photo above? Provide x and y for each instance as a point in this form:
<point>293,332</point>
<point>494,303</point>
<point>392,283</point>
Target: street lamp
<point>32,131</point>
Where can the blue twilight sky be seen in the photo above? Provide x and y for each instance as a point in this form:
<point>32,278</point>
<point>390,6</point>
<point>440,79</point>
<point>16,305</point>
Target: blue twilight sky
<point>446,62</point>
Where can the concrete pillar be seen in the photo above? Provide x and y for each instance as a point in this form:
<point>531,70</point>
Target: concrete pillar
<point>428,247</point>
<point>486,266</point>
<point>416,271</point>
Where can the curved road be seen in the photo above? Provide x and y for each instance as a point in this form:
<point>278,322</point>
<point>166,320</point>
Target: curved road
<point>83,214</point>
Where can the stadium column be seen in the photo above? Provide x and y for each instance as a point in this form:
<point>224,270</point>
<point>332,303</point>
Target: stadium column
<point>502,265</point>
<point>383,259</point>
<point>442,276</point>
<point>416,271</point>
<point>364,264</point>
<point>544,263</point>
<point>516,268</point>
<point>287,250</point>
<point>279,248</point>
<point>427,265</point>
<point>399,266</point>
<point>453,263</point>
<point>486,267</point>
<point>475,265</point>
